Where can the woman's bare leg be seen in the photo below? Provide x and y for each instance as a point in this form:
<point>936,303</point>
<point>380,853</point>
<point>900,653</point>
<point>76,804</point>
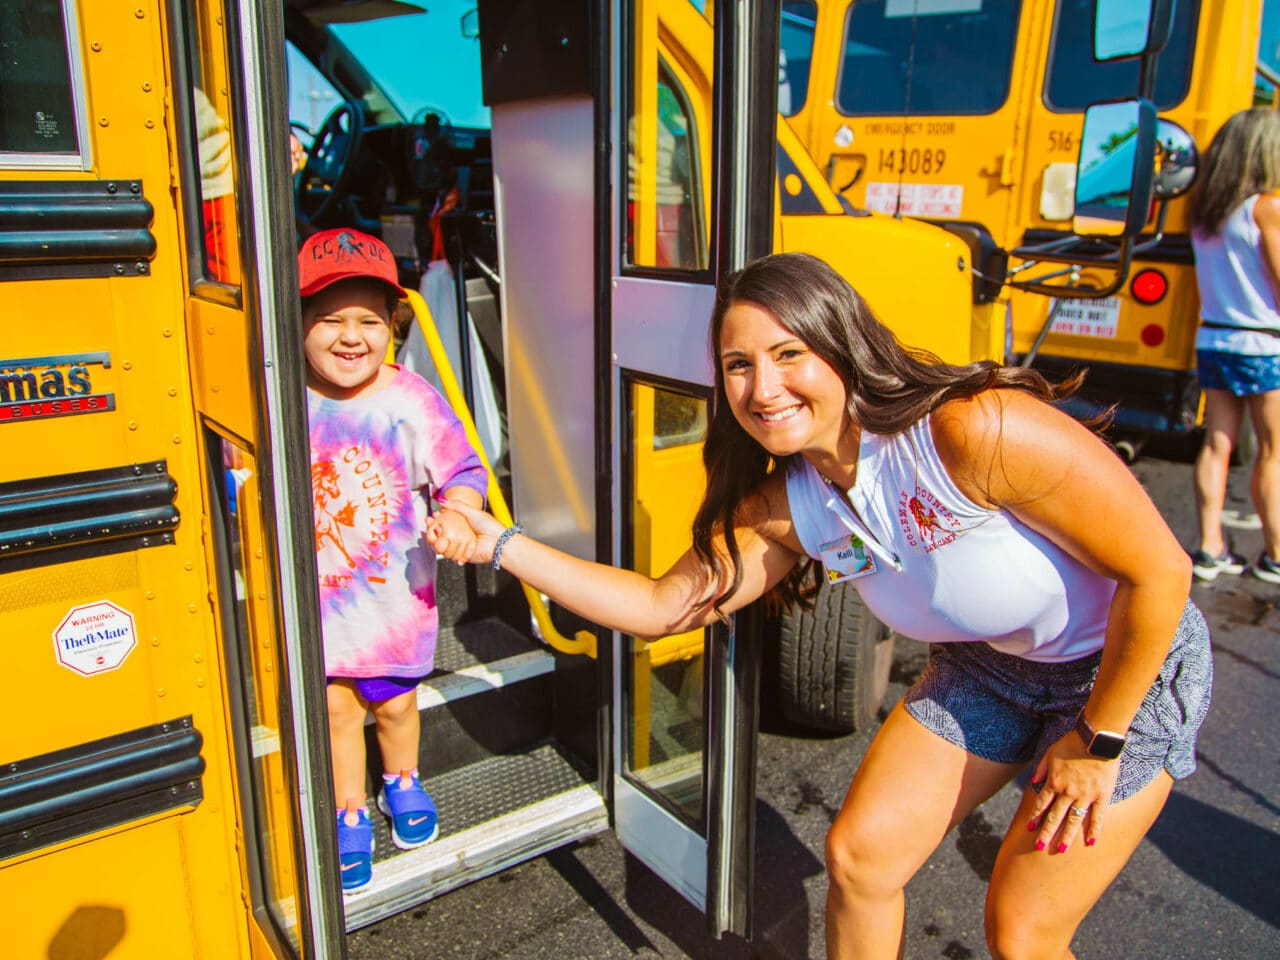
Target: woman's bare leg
<point>1264,409</point>
<point>1037,899</point>
<point>911,788</point>
<point>1223,414</point>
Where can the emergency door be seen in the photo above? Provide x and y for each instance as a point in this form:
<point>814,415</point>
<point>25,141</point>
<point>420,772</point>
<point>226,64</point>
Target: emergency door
<point>684,722</point>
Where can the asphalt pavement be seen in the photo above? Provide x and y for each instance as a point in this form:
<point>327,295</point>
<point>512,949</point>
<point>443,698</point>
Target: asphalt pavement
<point>1205,883</point>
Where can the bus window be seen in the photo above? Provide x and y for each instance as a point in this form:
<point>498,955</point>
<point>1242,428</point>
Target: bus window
<point>1075,80</point>
<point>41,119</point>
<point>664,736</point>
<point>680,238</point>
<point>256,679</point>
<point>927,57</point>
<point>795,54</point>
<point>211,130</point>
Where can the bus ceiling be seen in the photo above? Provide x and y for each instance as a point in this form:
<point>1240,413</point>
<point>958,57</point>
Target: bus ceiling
<point>323,13</point>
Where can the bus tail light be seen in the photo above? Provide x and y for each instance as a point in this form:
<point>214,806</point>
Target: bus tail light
<point>1152,335</point>
<point>1149,286</point>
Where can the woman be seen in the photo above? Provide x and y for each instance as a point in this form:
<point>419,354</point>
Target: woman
<point>1235,232</point>
<point>977,516</point>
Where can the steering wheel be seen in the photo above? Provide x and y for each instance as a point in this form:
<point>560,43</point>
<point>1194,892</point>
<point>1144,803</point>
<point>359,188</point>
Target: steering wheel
<point>326,176</point>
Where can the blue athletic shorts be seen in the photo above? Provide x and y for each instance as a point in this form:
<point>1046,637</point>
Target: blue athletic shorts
<point>1010,710</point>
<point>377,689</point>
<point>1241,374</point>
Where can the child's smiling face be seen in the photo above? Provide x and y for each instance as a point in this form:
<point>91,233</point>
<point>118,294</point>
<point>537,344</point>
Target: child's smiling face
<point>348,330</point>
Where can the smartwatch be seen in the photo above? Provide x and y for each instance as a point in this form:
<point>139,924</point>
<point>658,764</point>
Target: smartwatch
<point>1102,744</point>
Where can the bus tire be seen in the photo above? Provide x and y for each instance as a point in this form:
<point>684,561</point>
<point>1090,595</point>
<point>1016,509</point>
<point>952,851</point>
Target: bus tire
<point>834,662</point>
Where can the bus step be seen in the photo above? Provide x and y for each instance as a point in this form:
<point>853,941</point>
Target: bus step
<point>494,813</point>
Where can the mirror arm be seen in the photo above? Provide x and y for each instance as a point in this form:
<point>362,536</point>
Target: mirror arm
<point>1123,257</point>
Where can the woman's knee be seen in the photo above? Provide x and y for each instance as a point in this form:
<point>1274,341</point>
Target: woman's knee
<point>861,861</point>
<point>1014,933</point>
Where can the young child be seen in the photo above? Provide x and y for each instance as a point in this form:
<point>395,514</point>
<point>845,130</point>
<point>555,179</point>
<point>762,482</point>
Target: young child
<point>384,443</point>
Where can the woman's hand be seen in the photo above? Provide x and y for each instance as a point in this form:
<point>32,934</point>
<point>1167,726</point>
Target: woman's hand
<point>1076,788</point>
<point>482,528</point>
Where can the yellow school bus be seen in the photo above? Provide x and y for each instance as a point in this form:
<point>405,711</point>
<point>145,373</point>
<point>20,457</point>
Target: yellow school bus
<point>970,114</point>
<point>164,768</point>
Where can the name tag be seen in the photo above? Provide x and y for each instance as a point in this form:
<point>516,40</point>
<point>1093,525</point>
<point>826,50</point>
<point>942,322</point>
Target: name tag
<point>846,559</point>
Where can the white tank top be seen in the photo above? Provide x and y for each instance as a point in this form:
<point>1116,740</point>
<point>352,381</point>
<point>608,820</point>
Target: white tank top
<point>1236,296</point>
<point>945,569</point>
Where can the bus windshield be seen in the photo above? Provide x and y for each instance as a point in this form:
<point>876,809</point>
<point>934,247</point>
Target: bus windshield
<point>927,57</point>
<point>414,63</point>
<point>1075,79</point>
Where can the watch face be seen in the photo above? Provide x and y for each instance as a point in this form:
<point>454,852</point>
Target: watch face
<point>1106,746</point>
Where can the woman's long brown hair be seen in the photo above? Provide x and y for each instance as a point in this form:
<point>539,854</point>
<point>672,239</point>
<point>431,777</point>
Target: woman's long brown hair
<point>888,387</point>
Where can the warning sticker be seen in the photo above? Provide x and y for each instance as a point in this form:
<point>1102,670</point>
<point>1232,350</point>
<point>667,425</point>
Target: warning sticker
<point>95,638</point>
<point>1087,318</point>
<point>918,199</point>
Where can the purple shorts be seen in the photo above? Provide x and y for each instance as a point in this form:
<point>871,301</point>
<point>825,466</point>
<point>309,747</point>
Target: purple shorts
<point>377,689</point>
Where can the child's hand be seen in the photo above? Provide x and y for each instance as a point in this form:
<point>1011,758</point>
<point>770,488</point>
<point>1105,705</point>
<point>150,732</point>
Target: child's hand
<point>451,537</point>
<point>483,528</point>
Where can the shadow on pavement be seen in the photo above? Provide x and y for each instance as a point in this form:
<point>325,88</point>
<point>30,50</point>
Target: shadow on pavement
<point>781,907</point>
<point>1222,851</point>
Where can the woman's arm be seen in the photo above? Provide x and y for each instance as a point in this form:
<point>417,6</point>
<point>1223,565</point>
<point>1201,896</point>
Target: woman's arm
<point>1266,214</point>
<point>1008,450</point>
<point>679,600</point>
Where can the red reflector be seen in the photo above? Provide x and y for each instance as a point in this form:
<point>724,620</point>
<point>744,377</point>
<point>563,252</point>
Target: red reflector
<point>1153,335</point>
<point>1149,286</point>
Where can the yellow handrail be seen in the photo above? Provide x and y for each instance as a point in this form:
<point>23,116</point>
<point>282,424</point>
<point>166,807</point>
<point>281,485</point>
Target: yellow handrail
<point>583,642</point>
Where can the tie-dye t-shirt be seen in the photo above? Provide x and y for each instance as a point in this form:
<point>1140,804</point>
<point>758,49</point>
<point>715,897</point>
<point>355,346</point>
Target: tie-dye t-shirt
<point>375,461</point>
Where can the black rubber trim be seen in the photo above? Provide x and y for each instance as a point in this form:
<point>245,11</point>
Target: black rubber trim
<point>74,515</point>
<point>97,785</point>
<point>1172,248</point>
<point>84,228</point>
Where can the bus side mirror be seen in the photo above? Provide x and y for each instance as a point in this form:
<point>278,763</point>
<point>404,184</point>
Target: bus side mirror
<point>1115,170</point>
<point>1125,29</point>
<point>1176,160</point>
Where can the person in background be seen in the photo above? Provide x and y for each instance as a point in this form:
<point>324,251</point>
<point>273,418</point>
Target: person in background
<point>1235,233</point>
<point>384,443</point>
<point>969,512</point>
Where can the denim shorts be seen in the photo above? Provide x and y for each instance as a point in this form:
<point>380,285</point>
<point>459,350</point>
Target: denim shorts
<point>1241,374</point>
<point>377,689</point>
<point>1010,710</point>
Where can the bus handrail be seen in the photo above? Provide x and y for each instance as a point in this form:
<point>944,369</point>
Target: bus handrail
<point>584,641</point>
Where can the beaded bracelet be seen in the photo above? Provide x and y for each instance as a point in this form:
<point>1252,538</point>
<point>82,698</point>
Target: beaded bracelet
<point>503,537</point>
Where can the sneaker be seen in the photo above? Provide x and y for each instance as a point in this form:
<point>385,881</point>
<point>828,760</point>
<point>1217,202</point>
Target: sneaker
<point>411,809</point>
<point>1264,568</point>
<point>355,848</point>
<point>1206,567</point>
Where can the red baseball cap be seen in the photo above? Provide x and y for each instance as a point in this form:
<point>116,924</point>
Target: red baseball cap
<point>340,254</point>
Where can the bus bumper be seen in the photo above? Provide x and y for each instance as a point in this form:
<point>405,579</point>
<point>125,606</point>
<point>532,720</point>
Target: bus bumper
<point>1146,400</point>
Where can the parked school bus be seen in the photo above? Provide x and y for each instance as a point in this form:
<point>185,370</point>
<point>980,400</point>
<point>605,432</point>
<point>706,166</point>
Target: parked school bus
<point>970,114</point>
<point>165,787</point>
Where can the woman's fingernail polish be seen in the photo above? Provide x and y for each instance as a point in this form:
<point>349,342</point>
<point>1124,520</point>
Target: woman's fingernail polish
<point>1062,848</point>
<point>1090,841</point>
<point>1039,844</point>
<point>1031,825</point>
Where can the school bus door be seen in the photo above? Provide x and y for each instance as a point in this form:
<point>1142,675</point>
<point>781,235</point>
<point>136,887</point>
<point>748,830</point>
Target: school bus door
<point>633,398</point>
<point>148,794</point>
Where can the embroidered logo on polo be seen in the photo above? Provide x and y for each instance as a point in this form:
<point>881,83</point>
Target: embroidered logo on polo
<point>925,521</point>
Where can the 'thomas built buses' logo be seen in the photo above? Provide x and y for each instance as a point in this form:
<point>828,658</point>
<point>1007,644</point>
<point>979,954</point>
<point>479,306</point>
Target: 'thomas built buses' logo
<point>38,387</point>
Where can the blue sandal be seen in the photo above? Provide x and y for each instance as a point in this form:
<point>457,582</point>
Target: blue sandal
<point>411,809</point>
